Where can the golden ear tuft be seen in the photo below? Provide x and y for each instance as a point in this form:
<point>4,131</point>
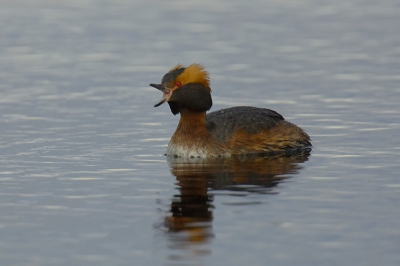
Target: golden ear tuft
<point>195,73</point>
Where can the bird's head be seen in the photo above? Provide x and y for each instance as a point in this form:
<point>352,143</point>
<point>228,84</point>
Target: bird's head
<point>186,87</point>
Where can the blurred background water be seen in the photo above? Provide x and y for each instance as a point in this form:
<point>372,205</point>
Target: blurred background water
<point>84,179</point>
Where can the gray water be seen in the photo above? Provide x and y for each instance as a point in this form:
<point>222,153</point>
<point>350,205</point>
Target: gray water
<point>83,176</point>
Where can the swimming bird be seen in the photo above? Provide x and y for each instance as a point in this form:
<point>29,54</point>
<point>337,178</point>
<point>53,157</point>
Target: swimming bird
<point>240,130</point>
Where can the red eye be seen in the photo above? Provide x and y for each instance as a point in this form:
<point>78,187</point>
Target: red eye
<point>178,83</point>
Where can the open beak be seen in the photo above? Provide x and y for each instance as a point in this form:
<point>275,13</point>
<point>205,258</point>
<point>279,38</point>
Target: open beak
<point>165,91</point>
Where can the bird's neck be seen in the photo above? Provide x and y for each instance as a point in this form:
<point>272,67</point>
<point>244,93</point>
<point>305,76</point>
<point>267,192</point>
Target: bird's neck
<point>191,138</point>
<point>191,122</point>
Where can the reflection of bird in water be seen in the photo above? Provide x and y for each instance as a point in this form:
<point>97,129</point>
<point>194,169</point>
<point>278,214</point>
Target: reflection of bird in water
<point>200,179</point>
<point>227,132</point>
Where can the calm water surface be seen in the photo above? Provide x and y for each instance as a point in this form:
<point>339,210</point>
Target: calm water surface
<point>83,178</point>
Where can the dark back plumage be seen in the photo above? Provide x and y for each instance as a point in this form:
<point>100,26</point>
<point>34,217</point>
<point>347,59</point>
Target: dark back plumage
<point>224,122</point>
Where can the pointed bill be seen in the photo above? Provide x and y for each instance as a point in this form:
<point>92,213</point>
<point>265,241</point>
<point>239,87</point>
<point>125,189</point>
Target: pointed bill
<point>165,93</point>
